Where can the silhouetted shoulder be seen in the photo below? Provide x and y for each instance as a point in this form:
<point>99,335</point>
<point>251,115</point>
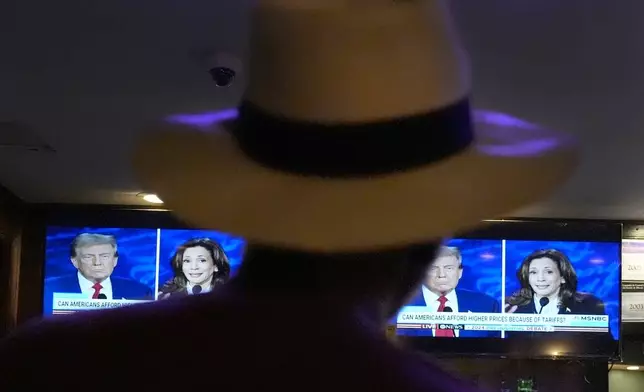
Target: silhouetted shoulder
<point>255,343</point>
<point>131,338</point>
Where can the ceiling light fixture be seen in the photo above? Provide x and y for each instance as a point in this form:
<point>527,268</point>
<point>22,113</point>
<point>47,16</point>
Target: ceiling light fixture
<point>632,368</point>
<point>150,198</point>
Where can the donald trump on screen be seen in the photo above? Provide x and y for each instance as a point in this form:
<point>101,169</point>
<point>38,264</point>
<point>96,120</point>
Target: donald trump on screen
<point>440,293</point>
<point>94,256</point>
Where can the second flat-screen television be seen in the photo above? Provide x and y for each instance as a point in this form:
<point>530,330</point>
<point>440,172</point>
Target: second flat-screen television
<point>89,268</point>
<point>536,289</point>
<point>521,288</point>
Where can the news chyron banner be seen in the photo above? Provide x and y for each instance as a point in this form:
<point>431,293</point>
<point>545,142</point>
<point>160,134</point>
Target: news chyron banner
<point>417,317</point>
<point>633,281</point>
<point>70,303</point>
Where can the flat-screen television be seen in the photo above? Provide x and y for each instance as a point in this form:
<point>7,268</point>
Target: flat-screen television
<point>515,288</point>
<point>521,288</point>
<point>90,268</point>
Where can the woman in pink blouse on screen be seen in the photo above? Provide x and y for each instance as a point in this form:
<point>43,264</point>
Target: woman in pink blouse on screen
<point>199,265</point>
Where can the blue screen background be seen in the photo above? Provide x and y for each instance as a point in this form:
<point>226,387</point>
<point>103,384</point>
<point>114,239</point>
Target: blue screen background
<point>482,265</point>
<point>597,265</point>
<point>171,239</point>
<point>137,252</point>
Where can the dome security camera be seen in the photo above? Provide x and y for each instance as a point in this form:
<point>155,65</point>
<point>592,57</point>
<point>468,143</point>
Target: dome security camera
<point>223,68</point>
<point>223,76</point>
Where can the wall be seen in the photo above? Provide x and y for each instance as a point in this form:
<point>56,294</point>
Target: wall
<point>549,375</point>
<point>625,381</point>
<point>31,267</point>
<point>11,219</point>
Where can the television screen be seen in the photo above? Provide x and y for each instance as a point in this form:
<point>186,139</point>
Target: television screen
<point>91,268</point>
<point>563,293</point>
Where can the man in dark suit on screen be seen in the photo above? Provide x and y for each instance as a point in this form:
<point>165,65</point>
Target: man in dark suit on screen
<point>439,292</point>
<point>95,256</point>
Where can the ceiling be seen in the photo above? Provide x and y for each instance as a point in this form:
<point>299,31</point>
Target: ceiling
<point>84,75</point>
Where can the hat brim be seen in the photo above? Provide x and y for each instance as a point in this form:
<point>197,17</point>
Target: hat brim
<point>205,179</point>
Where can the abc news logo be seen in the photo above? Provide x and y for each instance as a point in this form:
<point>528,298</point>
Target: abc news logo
<point>458,327</point>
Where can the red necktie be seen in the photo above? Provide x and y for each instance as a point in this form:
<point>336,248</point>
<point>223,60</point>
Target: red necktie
<point>443,333</point>
<point>97,290</point>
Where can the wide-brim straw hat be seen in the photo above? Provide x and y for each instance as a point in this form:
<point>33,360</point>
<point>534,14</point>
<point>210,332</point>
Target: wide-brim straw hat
<point>355,132</point>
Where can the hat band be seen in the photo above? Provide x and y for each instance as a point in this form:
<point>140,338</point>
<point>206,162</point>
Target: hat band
<point>353,150</point>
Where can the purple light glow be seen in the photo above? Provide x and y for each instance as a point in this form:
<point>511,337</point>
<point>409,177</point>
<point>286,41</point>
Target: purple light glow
<point>501,119</point>
<point>597,261</point>
<point>498,134</point>
<point>203,120</point>
<point>502,135</point>
<point>525,148</point>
